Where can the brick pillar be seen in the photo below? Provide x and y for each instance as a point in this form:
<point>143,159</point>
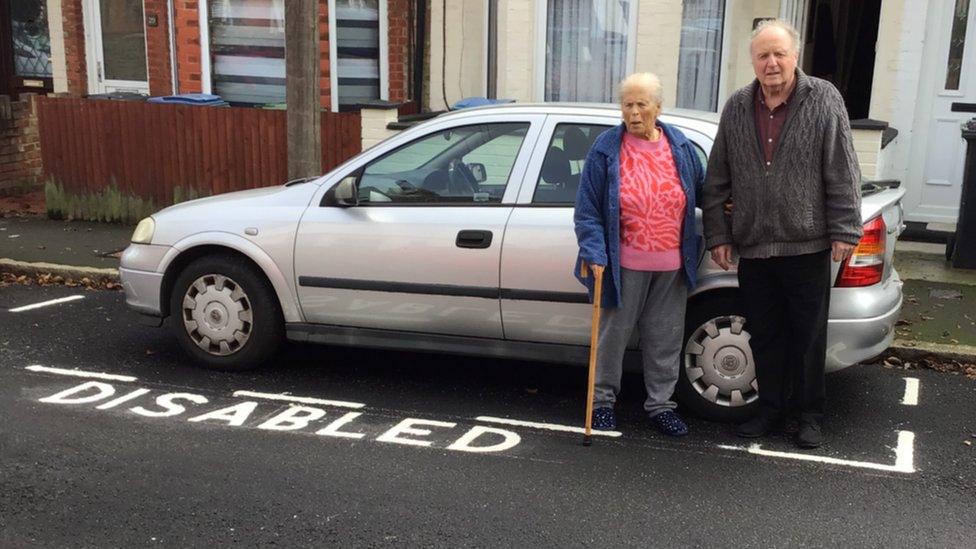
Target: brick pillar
<point>20,148</point>
<point>398,47</point>
<point>187,15</point>
<point>157,48</point>
<point>73,24</point>
<point>374,120</point>
<point>325,77</point>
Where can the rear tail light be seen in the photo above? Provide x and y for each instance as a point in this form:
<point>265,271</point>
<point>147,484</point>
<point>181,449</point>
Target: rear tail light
<point>865,266</point>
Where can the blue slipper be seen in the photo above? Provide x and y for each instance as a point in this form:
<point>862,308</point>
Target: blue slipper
<point>669,423</point>
<point>604,419</point>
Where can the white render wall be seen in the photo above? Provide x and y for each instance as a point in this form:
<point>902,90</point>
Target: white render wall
<point>658,42</point>
<point>737,69</point>
<point>464,72</point>
<point>897,68</point>
<point>56,29</point>
<point>516,50</point>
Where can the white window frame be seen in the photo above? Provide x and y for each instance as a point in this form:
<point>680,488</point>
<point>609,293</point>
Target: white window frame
<point>384,55</point>
<point>542,23</point>
<point>206,79</point>
<point>94,60</point>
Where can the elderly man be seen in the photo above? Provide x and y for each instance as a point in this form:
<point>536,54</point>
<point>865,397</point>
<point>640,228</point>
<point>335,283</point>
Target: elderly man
<point>784,157</point>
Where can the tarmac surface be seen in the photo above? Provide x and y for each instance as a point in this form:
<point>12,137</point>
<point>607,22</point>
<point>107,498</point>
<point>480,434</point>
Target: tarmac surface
<point>177,455</point>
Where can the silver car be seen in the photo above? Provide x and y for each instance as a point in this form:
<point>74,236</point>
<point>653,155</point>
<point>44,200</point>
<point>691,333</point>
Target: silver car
<point>456,236</point>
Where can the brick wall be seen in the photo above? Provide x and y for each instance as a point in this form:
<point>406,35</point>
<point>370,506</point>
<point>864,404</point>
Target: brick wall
<point>20,150</point>
<point>398,47</point>
<point>157,48</point>
<point>187,15</point>
<point>73,26</point>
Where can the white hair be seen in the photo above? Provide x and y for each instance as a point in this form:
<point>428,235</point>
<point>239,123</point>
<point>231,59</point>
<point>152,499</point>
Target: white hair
<point>645,81</point>
<point>778,24</point>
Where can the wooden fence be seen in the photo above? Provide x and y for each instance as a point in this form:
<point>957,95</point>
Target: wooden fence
<point>120,161</point>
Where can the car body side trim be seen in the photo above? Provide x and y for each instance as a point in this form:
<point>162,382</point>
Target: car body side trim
<point>397,287</point>
<point>541,295</point>
<point>441,289</point>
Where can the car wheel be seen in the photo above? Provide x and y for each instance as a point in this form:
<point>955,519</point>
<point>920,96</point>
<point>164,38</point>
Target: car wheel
<point>718,374</point>
<point>225,314</point>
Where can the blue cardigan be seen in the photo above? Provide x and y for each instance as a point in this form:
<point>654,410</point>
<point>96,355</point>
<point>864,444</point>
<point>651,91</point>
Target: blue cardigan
<point>597,214</point>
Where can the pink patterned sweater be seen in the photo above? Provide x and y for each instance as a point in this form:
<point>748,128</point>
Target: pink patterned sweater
<point>652,205</point>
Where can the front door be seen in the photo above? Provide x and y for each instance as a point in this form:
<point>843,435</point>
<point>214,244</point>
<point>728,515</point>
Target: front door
<point>115,37</point>
<point>25,48</point>
<point>946,100</point>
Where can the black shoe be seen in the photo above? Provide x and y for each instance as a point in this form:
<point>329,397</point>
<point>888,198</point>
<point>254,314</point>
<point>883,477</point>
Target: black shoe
<point>810,435</point>
<point>760,424</point>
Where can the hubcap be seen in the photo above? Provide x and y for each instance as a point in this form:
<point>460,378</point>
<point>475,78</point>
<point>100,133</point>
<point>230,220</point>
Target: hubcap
<point>217,315</point>
<point>718,362</point>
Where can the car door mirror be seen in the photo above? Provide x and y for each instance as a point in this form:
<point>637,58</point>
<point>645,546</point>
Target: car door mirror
<point>478,171</point>
<point>344,194</point>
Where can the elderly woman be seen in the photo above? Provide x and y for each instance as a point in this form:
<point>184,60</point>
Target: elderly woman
<point>635,216</point>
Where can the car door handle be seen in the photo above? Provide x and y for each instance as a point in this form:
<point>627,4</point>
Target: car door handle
<point>473,239</point>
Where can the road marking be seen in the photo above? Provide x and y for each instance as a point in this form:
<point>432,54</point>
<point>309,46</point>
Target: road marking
<point>911,392</point>
<point>79,373</point>
<point>299,399</point>
<point>46,303</point>
<point>904,455</point>
<point>546,426</point>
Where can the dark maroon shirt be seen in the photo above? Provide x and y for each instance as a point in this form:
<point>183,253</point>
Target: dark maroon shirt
<point>770,123</point>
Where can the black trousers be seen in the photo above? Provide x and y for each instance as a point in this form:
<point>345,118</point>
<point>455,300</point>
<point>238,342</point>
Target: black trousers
<point>786,301</point>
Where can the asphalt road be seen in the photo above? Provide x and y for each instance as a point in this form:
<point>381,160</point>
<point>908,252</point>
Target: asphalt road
<point>401,449</point>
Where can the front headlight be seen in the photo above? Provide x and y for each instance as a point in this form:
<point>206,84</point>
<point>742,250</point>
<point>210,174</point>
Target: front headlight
<point>144,231</point>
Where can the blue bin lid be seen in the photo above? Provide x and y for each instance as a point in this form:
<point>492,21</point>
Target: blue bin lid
<point>469,102</point>
<point>190,99</point>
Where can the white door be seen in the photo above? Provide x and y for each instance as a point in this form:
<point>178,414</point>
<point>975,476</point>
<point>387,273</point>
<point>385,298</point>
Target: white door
<point>946,100</point>
<point>115,38</point>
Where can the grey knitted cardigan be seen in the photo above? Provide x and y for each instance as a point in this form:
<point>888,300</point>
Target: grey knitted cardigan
<point>811,193</point>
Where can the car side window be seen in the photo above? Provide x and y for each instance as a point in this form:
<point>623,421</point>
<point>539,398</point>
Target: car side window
<point>464,165</point>
<point>563,164</point>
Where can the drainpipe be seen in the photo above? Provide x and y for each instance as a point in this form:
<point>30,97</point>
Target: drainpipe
<point>174,82</point>
<point>419,53</point>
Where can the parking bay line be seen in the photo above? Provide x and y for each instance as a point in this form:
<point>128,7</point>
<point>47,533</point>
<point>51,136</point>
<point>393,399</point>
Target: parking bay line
<point>79,373</point>
<point>46,303</point>
<point>904,455</point>
<point>911,391</point>
<point>545,426</point>
<point>299,399</point>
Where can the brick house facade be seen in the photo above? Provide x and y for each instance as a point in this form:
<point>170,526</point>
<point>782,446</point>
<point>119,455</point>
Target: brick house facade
<point>189,49</point>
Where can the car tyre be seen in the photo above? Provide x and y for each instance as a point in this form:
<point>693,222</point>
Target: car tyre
<point>225,314</point>
<point>716,380</point>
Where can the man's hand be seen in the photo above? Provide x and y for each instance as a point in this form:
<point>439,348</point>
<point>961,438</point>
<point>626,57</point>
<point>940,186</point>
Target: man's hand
<point>722,255</point>
<point>839,251</point>
<point>587,268</point>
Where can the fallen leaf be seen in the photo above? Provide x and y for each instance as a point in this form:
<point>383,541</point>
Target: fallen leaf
<point>903,322</point>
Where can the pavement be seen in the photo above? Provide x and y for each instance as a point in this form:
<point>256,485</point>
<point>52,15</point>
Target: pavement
<point>938,318</point>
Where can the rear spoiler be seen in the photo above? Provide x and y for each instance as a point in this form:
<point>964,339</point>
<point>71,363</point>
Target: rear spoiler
<point>873,186</point>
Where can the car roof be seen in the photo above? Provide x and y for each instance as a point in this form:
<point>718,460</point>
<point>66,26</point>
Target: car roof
<point>597,109</point>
